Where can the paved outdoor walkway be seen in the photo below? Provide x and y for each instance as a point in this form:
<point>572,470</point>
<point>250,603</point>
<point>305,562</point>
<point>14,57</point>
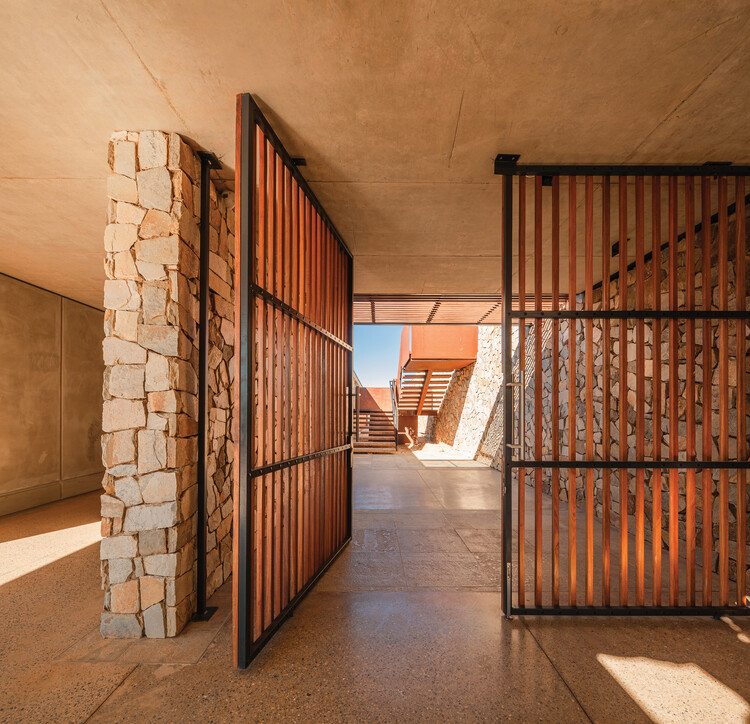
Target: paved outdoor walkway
<point>405,626</point>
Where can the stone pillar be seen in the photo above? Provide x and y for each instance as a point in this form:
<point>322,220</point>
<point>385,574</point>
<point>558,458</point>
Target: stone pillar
<point>149,441</point>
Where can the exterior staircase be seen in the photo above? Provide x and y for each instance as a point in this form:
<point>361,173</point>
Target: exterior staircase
<point>421,392</point>
<point>375,432</point>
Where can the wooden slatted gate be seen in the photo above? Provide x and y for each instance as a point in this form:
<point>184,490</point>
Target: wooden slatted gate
<point>655,360</point>
<point>294,424</point>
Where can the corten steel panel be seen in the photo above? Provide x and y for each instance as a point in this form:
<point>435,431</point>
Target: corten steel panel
<point>294,322</point>
<point>437,342</point>
<point>653,219</point>
<point>30,338</point>
<point>375,398</point>
<point>82,370</point>
<point>404,349</point>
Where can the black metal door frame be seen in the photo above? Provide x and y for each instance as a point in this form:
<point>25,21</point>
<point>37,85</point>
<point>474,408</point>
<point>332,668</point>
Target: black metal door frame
<point>249,119</point>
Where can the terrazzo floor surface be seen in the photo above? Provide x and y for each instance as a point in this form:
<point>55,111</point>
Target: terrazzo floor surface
<point>405,626</point>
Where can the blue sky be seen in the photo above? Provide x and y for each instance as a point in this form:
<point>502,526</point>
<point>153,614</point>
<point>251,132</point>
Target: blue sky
<point>376,349</point>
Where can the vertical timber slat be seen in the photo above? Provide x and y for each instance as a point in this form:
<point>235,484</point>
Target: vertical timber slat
<point>606,395</point>
<point>589,292</point>
<point>538,391</point>
<point>572,364</point>
<point>555,370</point>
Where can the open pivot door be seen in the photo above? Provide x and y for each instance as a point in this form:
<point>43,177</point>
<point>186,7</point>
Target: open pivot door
<point>625,491</point>
<point>293,318</point>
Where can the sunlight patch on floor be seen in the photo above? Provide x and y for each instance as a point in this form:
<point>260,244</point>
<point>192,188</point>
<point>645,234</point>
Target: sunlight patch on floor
<point>669,692</point>
<point>24,555</point>
<point>437,452</point>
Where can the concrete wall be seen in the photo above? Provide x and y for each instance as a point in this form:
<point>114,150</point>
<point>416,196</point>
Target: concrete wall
<point>50,386</point>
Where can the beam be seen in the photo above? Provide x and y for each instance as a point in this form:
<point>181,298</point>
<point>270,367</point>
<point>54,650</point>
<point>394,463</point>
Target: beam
<point>425,387</point>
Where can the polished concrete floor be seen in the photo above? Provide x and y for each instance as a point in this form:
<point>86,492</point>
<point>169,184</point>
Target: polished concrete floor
<point>405,626</point>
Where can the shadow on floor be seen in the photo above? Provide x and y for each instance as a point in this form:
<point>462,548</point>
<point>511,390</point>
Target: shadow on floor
<point>405,627</point>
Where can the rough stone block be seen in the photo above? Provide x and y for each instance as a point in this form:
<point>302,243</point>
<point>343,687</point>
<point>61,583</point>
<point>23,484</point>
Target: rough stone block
<point>153,621</point>
<point>151,272</point>
<point>118,448</point>
<point>120,626</point>
<point>124,597</point>
<point>163,564</point>
<point>151,542</point>
<point>154,189</point>
<point>159,487</point>
<point>121,294</point>
<point>178,616</point>
<point>126,381</point>
<point>120,546</point>
<point>178,536</point>
<point>124,266</point>
<point>161,339</point>
<point>127,490</point>
<point>158,250</point>
<point>157,422</point>
<point>181,451</point>
<point>123,161</point>
<point>128,213</point>
<point>154,304</point>
<point>122,188</point>
<point>111,507</point>
<point>120,237</point>
<point>155,223</point>
<point>148,517</point>
<point>126,325</point>
<point>163,401</point>
<point>178,588</point>
<point>120,569</point>
<point>120,414</point>
<point>152,451</point>
<point>152,149</point>
<point>157,373</point>
<point>183,376</point>
<point>188,503</point>
<point>152,591</point>
<point>120,352</point>
<point>181,155</point>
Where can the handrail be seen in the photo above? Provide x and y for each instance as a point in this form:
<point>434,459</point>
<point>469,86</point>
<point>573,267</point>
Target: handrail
<point>394,408</point>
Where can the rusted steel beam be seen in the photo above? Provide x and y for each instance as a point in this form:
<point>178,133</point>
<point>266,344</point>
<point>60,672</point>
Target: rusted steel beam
<point>423,393</point>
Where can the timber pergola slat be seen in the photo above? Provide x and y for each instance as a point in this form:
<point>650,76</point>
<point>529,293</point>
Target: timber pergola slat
<point>434,308</point>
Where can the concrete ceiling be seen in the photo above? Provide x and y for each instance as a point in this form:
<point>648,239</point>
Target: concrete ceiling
<point>398,107</point>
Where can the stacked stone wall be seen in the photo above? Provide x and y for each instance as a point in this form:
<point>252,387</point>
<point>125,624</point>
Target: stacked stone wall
<point>150,412</point>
